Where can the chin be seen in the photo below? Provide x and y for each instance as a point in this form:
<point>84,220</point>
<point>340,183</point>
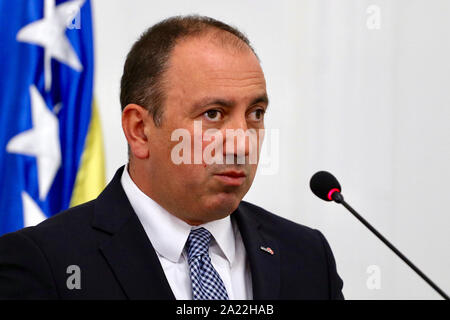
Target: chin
<point>223,204</point>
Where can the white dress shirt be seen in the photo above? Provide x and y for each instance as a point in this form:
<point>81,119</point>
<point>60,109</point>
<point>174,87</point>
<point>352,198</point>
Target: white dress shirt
<point>168,235</point>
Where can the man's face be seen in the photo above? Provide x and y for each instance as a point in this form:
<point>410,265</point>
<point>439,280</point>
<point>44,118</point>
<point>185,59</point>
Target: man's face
<point>225,89</point>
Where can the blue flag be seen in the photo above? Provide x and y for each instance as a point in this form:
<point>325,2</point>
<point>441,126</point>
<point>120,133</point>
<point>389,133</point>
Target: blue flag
<point>46,94</point>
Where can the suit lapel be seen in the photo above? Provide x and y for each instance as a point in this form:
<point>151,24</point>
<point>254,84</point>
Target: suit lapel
<point>129,252</point>
<point>265,266</point>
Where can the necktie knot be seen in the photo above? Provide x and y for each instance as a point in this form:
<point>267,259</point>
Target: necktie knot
<point>198,242</point>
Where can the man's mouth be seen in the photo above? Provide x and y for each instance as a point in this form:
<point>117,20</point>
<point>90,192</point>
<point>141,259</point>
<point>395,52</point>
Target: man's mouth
<point>232,177</point>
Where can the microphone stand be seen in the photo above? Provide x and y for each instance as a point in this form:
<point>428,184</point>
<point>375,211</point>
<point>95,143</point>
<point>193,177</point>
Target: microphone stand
<point>337,197</point>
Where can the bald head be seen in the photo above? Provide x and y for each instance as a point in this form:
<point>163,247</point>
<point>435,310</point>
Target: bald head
<point>148,60</point>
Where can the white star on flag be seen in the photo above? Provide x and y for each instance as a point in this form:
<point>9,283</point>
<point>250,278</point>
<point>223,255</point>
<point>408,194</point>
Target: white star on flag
<point>32,214</point>
<point>49,33</point>
<point>41,141</point>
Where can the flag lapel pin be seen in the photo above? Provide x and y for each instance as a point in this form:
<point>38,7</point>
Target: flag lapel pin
<point>267,249</point>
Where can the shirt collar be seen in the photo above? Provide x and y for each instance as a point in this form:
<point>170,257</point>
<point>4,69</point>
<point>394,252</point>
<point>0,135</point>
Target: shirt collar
<point>167,233</point>
<point>223,234</point>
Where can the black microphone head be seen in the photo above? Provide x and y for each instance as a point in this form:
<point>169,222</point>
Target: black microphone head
<point>323,184</point>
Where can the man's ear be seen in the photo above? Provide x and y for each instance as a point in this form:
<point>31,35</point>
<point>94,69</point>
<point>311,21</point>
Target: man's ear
<point>134,119</point>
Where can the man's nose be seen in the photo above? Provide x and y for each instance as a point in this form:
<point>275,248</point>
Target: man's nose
<point>236,141</point>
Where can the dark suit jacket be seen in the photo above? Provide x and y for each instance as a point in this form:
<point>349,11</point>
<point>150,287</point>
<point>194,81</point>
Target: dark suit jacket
<point>105,239</point>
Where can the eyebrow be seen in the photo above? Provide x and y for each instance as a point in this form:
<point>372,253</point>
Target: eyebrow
<point>263,98</point>
<point>228,103</point>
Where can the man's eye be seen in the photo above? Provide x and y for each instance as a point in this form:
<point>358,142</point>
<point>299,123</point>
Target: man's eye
<point>258,114</point>
<point>213,115</point>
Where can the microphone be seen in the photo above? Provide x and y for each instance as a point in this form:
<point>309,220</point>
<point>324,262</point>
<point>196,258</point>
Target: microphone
<point>324,185</point>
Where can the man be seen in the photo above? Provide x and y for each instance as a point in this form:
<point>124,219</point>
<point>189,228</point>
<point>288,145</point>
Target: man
<point>163,229</point>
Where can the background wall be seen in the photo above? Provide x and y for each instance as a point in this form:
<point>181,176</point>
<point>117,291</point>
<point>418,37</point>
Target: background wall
<point>359,88</point>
